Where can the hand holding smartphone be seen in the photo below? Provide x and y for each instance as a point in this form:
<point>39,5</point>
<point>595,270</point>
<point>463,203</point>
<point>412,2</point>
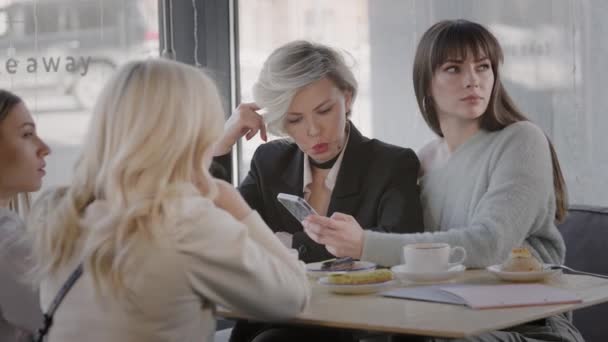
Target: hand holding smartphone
<point>297,206</point>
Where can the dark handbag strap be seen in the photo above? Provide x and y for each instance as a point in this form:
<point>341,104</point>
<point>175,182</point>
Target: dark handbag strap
<point>48,316</point>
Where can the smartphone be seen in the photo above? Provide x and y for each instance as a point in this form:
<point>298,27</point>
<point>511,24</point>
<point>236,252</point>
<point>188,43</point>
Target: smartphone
<point>297,206</point>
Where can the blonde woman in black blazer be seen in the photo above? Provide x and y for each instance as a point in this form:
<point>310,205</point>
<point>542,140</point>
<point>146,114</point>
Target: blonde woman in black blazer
<point>306,92</point>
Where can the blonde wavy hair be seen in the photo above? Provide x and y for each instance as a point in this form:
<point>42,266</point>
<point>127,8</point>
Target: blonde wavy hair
<point>152,130</point>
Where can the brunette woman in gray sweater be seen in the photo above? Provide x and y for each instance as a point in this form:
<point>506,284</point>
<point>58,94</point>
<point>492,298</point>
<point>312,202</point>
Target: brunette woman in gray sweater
<point>491,181</point>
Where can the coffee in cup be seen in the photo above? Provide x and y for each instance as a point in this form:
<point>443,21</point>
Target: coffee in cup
<point>432,257</point>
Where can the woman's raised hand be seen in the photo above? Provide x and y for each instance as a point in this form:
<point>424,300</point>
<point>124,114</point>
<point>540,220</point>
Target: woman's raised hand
<point>244,121</point>
<point>341,234</point>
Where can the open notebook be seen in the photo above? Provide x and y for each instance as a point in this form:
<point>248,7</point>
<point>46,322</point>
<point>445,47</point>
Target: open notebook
<point>488,296</point>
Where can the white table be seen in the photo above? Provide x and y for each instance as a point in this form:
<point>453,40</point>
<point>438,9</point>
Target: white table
<point>401,316</point>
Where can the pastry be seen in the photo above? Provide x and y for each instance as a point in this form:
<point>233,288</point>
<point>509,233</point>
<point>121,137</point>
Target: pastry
<point>521,260</point>
<point>372,277</point>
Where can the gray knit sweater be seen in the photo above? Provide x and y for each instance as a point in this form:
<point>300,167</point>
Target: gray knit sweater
<point>493,194</point>
<point>19,304</point>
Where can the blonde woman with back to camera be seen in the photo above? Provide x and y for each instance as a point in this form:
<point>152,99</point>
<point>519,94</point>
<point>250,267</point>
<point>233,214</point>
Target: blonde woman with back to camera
<point>161,242</point>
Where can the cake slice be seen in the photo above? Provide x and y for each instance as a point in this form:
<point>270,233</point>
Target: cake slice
<point>521,260</point>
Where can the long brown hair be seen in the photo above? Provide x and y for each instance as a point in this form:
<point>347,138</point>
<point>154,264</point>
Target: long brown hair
<point>450,38</point>
<point>8,100</point>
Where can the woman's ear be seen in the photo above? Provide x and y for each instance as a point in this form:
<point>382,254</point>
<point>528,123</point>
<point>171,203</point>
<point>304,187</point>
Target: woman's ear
<point>348,100</point>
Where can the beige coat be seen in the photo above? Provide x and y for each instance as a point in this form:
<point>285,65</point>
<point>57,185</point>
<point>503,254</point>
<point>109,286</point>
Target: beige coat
<point>210,259</point>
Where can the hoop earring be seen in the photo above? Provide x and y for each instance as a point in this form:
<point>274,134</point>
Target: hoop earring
<point>424,105</point>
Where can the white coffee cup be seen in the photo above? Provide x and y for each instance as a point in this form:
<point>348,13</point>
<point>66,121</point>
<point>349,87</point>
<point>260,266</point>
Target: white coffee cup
<point>431,257</point>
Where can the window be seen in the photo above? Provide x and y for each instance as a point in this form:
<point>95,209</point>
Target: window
<point>64,52</point>
<point>551,67</point>
<point>3,23</point>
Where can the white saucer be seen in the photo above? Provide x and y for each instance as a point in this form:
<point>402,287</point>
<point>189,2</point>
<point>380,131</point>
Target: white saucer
<point>356,289</point>
<point>545,274</point>
<point>314,269</point>
<point>402,273</point>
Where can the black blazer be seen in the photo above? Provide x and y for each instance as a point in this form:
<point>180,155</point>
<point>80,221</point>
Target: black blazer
<point>376,184</point>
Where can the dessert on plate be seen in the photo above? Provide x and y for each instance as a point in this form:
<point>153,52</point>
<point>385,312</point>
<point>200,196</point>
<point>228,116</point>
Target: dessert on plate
<point>371,277</point>
<point>340,264</point>
<point>521,260</point>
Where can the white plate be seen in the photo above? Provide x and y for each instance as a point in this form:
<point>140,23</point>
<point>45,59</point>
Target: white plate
<point>314,269</point>
<point>427,277</point>
<point>356,289</point>
<point>545,274</point>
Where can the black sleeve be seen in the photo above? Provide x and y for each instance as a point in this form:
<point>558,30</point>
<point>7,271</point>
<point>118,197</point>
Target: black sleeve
<point>251,190</point>
<point>217,168</point>
<point>399,209</point>
<point>251,187</point>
